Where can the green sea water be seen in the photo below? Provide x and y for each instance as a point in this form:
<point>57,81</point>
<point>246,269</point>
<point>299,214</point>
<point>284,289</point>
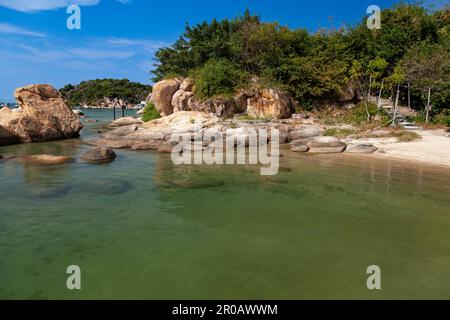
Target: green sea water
<point>141,227</point>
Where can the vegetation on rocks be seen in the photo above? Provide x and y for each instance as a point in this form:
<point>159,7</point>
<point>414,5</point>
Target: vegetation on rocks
<point>92,91</point>
<point>412,46</point>
<point>150,112</point>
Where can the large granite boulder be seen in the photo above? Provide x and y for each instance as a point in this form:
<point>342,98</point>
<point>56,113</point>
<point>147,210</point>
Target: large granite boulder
<point>44,117</point>
<point>304,132</point>
<point>325,145</point>
<point>221,107</point>
<point>180,100</point>
<point>269,104</point>
<point>162,94</point>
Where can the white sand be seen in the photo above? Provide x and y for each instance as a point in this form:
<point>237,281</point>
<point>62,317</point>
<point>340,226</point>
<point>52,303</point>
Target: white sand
<point>433,148</point>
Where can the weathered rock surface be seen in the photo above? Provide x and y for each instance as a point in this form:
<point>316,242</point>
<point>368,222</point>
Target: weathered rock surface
<point>187,84</point>
<point>174,95</point>
<point>325,145</point>
<point>152,134</point>
<point>269,104</point>
<point>362,148</point>
<point>304,132</point>
<point>45,117</point>
<point>180,100</point>
<point>126,121</point>
<point>99,155</point>
<point>299,146</point>
<point>162,94</point>
<point>47,159</point>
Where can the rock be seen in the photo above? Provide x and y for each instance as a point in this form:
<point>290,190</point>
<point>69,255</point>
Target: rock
<point>45,116</point>
<point>362,148</point>
<point>7,137</point>
<point>325,145</point>
<point>187,84</point>
<point>126,121</point>
<point>162,94</point>
<point>78,112</point>
<point>47,159</point>
<point>269,104</point>
<point>99,155</point>
<point>299,146</point>
<point>304,132</point>
<point>140,112</point>
<point>222,107</point>
<point>349,92</point>
<point>165,147</point>
<point>180,100</point>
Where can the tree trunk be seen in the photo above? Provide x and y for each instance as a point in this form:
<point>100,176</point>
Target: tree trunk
<point>370,86</point>
<point>409,95</point>
<point>428,106</point>
<point>379,95</point>
<point>395,105</point>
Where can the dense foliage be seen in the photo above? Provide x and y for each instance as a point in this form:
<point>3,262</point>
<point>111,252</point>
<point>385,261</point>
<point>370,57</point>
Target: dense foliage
<point>92,91</point>
<point>411,46</point>
<point>150,112</point>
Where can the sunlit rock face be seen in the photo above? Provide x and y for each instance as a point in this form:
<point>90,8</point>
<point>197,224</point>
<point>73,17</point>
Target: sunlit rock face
<point>44,116</point>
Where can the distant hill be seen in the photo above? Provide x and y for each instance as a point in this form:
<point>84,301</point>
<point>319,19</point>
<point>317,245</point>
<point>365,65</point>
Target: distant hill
<point>93,91</point>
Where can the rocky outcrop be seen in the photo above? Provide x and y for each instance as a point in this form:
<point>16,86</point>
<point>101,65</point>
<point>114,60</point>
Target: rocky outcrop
<point>99,155</point>
<point>44,117</point>
<point>180,100</point>
<point>269,104</point>
<point>175,95</point>
<point>325,145</point>
<point>156,133</point>
<point>162,94</point>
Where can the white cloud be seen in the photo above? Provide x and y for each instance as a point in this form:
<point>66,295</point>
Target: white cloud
<point>12,29</point>
<point>42,5</point>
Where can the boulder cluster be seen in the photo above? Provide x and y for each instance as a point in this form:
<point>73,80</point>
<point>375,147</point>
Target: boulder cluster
<point>177,94</point>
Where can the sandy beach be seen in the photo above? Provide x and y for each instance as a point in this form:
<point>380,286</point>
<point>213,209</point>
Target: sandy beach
<point>433,148</point>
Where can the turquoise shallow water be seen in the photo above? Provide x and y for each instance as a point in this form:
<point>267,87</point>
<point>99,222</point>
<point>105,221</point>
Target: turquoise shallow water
<point>140,227</point>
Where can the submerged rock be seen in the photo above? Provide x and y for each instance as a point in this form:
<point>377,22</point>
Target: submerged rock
<point>105,186</point>
<point>47,159</point>
<point>99,155</point>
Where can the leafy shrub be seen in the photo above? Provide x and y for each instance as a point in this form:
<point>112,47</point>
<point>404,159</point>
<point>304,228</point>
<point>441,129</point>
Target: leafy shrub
<point>217,78</point>
<point>150,113</point>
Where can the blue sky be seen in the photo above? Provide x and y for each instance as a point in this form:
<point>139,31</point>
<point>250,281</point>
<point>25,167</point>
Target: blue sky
<point>118,38</point>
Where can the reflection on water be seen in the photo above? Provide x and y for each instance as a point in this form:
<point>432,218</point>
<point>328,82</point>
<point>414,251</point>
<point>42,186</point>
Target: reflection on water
<point>141,227</point>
